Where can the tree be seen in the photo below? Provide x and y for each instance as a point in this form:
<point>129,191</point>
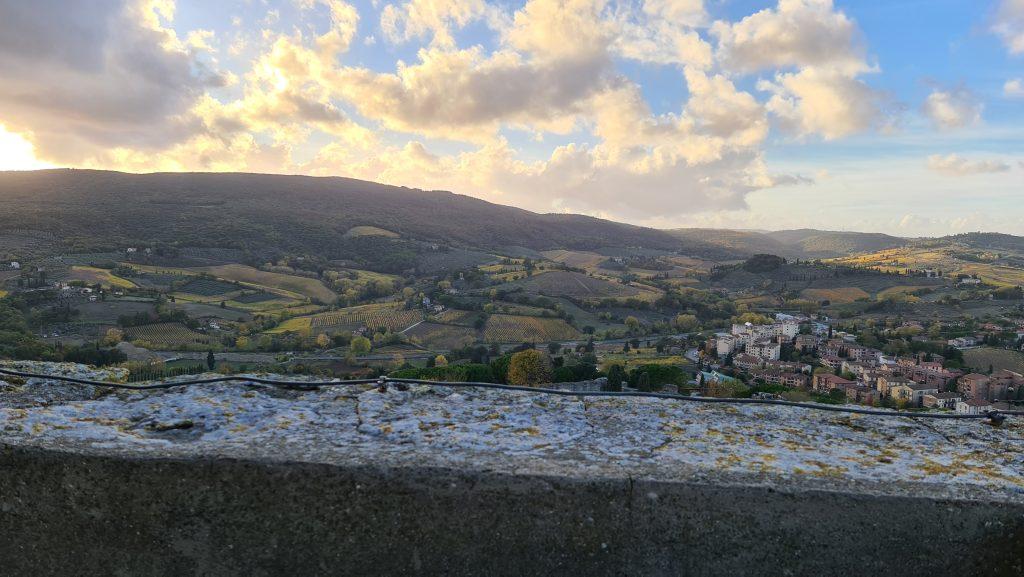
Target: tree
<point>242,342</point>
<point>211,361</point>
<point>440,361</point>
<point>643,382</point>
<point>360,345</point>
<point>615,377</point>
<point>632,323</point>
<point>686,323</point>
<point>553,348</point>
<point>529,368</point>
<point>113,337</point>
<point>322,340</point>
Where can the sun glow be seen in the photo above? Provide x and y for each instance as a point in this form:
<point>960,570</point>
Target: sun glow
<point>17,153</point>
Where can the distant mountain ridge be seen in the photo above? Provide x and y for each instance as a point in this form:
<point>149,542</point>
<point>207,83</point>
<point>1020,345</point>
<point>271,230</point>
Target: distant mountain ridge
<point>93,210</point>
<point>800,243</point>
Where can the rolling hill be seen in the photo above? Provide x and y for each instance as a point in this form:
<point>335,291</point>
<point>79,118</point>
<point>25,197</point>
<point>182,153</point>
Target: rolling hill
<point>800,244</point>
<point>95,210</point>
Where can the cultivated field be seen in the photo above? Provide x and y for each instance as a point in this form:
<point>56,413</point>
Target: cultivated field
<point>577,285</point>
<point>438,336</point>
<point>370,231</point>
<point>167,334</point>
<point>576,258</point>
<point>982,358</point>
<point>835,295</point>
<point>93,275</point>
<point>456,317</point>
<point>295,285</point>
<point>517,329</point>
<point>208,287</point>
<point>372,316</point>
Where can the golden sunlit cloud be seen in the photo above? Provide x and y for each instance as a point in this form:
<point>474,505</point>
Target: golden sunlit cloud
<point>17,153</point>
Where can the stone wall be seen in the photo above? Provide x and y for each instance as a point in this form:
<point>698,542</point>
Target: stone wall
<point>70,514</point>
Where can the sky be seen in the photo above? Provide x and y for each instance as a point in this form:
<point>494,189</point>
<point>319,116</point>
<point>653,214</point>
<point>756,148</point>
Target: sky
<point>904,116</point>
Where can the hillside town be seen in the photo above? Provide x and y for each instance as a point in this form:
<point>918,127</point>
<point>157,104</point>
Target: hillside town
<point>832,363</point>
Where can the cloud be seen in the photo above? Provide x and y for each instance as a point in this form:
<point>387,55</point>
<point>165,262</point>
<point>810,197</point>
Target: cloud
<point>1009,25</point>
<point>956,165</point>
<point>818,54</point>
<point>469,95</point>
<point>87,75</point>
<point>797,33</point>
<point>826,103</point>
<point>437,19</point>
<point>1014,88</point>
<point>953,108</point>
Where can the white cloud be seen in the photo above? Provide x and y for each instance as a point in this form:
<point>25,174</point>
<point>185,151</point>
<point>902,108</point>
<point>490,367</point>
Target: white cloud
<point>1009,25</point>
<point>1014,88</point>
<point>956,165</point>
<point>797,33</point>
<point>434,18</point>
<point>820,53</point>
<point>952,109</point>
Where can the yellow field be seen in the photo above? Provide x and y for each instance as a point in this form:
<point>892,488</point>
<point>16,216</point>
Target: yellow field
<point>3,293</point>
<point>93,275</point>
<point>836,295</point>
<point>516,329</point>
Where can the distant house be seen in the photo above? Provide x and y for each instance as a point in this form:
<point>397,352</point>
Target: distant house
<point>725,344</point>
<point>974,386</point>
<point>806,343</point>
<point>963,342</point>
<point>793,380</point>
<point>15,265</point>
<point>747,362</point>
<point>912,393</point>
<point>946,400</point>
<point>767,350</point>
<point>825,382</point>
<point>885,384</point>
<point>973,406</point>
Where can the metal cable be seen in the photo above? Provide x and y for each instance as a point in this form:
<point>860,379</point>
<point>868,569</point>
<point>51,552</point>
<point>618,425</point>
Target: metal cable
<point>383,382</point>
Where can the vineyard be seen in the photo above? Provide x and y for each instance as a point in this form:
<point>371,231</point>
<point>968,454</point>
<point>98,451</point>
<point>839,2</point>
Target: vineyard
<point>208,287</point>
<point>517,329</point>
<point>438,336</point>
<point>456,317</point>
<point>172,334</point>
<point>395,319</point>
<point>253,298</point>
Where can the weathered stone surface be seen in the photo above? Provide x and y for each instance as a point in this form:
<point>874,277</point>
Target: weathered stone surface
<point>248,480</point>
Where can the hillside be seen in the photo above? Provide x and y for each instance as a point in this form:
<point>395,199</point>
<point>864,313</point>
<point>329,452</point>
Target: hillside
<point>100,210</point>
<point>792,244</point>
